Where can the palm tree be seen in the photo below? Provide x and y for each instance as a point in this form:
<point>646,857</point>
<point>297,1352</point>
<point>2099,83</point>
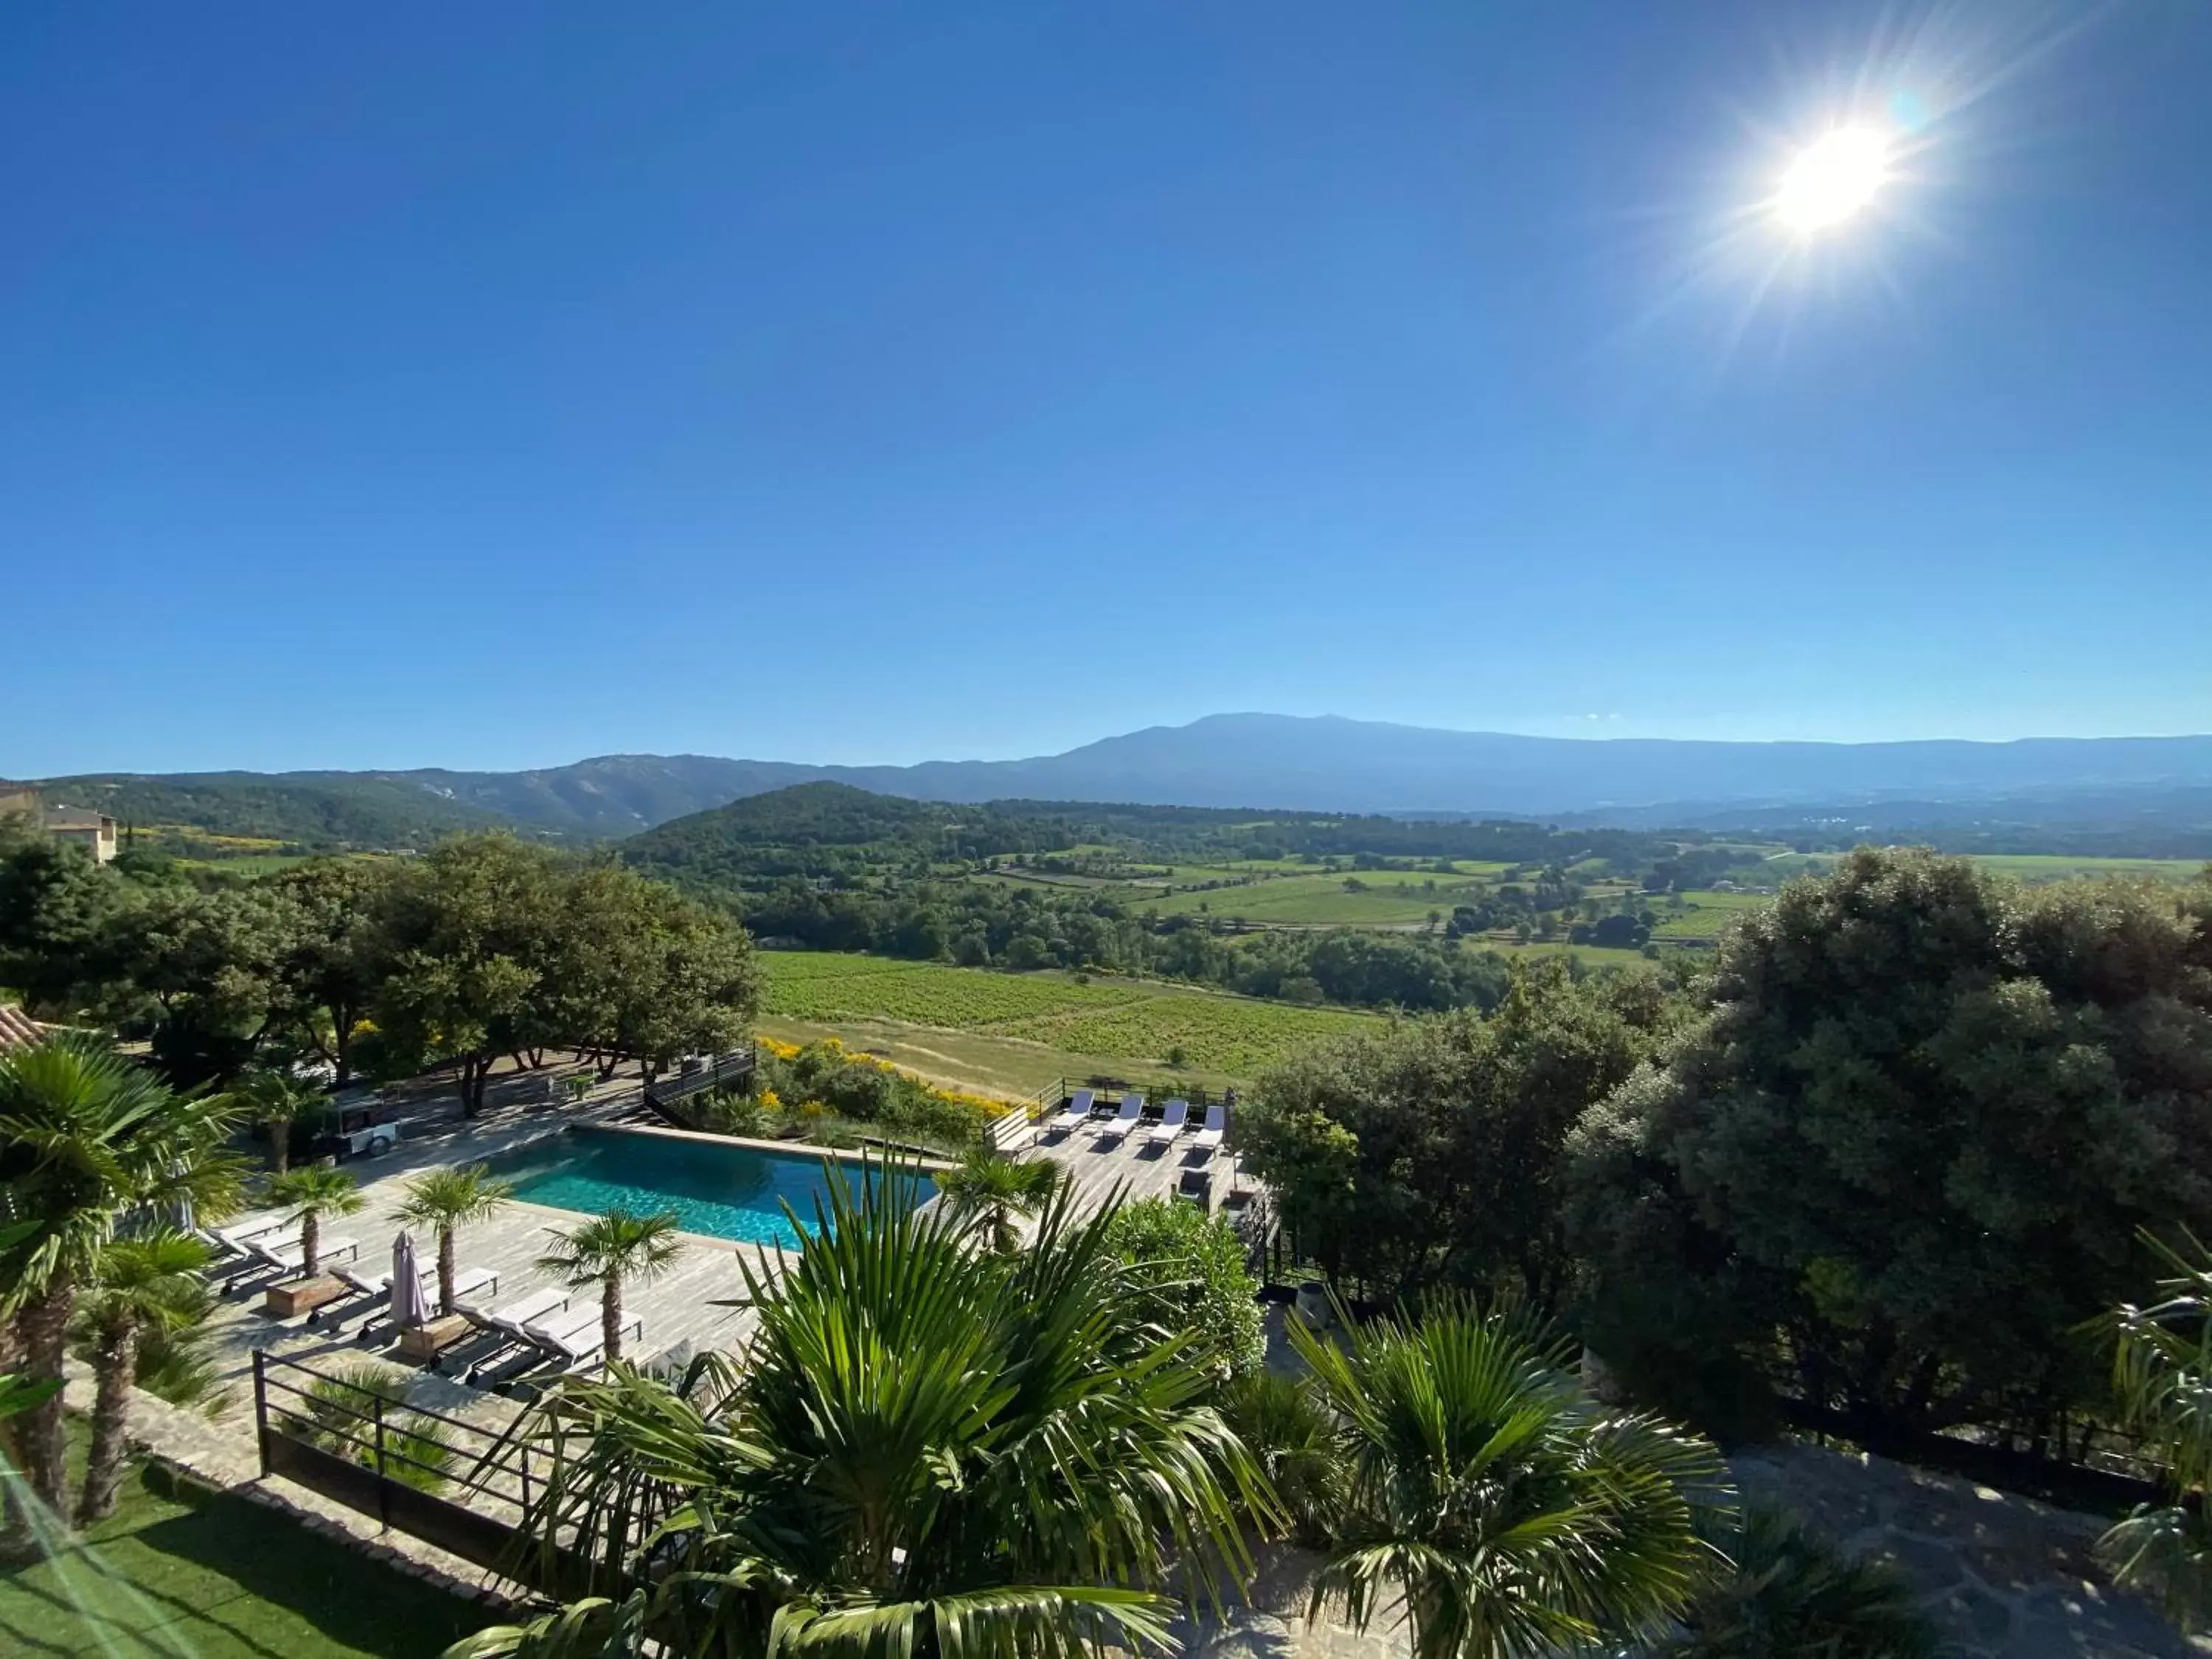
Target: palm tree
<point>276,1101</point>
<point>993,1194</point>
<point>608,1249</point>
<point>1512,1513</point>
<point>138,1285</point>
<point>926,1449</point>
<point>2162,1381</point>
<point>1287,1425</point>
<point>450,1199</point>
<point>1788,1592</point>
<point>86,1136</point>
<point>308,1196</point>
<point>18,1393</point>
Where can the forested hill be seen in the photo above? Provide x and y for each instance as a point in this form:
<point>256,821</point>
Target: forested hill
<point>835,830</point>
<point>591,800</point>
<point>313,811</point>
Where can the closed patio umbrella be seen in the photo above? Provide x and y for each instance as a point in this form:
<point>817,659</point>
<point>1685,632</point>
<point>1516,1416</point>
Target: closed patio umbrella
<point>409,1305</point>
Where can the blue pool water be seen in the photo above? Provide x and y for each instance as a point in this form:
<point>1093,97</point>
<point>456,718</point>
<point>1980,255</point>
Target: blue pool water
<point>728,1192</point>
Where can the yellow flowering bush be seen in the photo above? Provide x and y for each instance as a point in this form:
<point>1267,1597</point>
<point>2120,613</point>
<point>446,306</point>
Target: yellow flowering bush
<point>868,1089</point>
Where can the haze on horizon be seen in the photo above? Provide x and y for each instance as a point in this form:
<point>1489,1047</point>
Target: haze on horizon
<point>416,388</point>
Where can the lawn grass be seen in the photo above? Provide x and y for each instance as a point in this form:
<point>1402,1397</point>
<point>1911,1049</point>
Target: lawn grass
<point>204,1575</point>
<point>1012,1032</point>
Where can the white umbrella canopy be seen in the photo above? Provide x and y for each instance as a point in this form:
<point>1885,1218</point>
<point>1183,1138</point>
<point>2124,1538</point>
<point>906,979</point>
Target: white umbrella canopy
<point>409,1305</point>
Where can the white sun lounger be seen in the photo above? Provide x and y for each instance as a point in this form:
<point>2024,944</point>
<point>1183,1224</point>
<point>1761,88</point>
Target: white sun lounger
<point>237,1238</point>
<point>1174,1116</point>
<point>1209,1139</point>
<point>1133,1108</point>
<point>1077,1113</point>
<point>513,1319</point>
<point>291,1253</point>
<point>573,1340</point>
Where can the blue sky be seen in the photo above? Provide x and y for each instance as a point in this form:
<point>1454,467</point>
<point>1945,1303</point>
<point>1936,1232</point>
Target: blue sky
<point>492,385</point>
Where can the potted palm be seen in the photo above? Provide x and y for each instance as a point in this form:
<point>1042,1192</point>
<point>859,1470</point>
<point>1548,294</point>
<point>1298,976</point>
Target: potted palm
<point>449,1200</point>
<point>606,1251</point>
<point>308,1196</point>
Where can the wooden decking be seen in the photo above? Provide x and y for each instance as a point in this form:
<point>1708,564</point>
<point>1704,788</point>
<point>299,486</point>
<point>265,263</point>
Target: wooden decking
<point>1101,1164</point>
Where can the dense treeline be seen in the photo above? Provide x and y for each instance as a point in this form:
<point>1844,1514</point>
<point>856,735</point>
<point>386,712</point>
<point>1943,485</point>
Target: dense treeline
<point>832,830</point>
<point>485,946</point>
<point>1886,1158</point>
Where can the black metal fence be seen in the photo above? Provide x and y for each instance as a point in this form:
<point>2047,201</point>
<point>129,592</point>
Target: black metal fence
<point>1108,1091</point>
<point>660,1095</point>
<point>473,1492</point>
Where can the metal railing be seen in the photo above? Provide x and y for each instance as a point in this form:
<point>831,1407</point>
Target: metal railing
<point>1054,1096</point>
<point>662,1092</point>
<point>473,1491</point>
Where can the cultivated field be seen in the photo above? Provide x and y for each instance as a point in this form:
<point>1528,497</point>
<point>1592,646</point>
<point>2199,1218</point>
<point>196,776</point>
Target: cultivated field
<point>1016,1031</point>
<point>2038,868</point>
<point>1384,898</point>
<point>1707,914</point>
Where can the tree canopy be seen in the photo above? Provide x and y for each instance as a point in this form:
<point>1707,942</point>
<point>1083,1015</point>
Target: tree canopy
<point>1434,1153</point>
<point>1917,1127</point>
<point>485,945</point>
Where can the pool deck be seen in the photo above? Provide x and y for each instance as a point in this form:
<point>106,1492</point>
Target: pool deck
<point>1102,1166</point>
<point>679,1308</point>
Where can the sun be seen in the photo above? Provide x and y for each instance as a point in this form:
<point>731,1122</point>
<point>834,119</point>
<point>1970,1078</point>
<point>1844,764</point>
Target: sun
<point>1837,176</point>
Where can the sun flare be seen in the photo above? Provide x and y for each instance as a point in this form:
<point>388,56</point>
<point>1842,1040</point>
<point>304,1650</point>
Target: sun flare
<point>1838,174</point>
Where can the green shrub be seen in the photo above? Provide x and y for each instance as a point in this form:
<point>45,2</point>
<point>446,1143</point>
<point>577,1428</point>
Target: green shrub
<point>1194,1265</point>
<point>1285,1423</point>
<point>827,1077</point>
<point>341,1417</point>
<point>1790,1596</point>
<point>174,1366</point>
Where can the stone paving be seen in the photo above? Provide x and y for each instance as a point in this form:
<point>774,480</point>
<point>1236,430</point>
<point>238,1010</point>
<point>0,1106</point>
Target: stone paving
<point>2002,1575</point>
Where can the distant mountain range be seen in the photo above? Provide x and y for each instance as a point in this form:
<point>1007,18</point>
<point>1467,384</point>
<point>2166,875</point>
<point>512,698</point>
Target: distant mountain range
<point>1260,760</point>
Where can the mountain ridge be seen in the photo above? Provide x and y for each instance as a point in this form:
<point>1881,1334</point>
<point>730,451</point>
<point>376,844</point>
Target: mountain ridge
<point>1255,761</point>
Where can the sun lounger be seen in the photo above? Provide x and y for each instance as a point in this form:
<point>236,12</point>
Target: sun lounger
<point>507,1323</point>
<point>235,1239</point>
<point>1077,1113</point>
<point>512,1320</point>
<point>1209,1139</point>
<point>248,1247</point>
<point>288,1254</point>
<point>1133,1108</point>
<point>467,1281</point>
<point>577,1337</point>
<point>1173,1119</point>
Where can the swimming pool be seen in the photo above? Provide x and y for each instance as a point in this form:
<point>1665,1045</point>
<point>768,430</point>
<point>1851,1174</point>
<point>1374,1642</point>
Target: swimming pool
<point>725,1192</point>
